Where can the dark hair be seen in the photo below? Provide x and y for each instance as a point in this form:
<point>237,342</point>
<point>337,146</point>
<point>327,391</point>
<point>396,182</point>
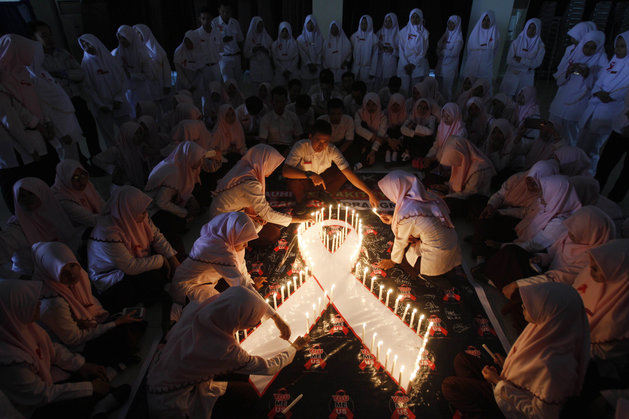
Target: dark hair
<point>303,101</point>
<point>395,82</point>
<point>254,105</point>
<point>279,91</point>
<point>205,10</point>
<point>33,25</point>
<point>326,76</point>
<point>322,127</point>
<point>359,85</point>
<point>335,103</point>
<point>294,82</point>
<point>348,74</point>
<point>224,3</point>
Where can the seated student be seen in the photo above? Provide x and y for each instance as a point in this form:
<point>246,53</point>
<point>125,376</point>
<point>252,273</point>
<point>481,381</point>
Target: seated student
<point>147,108</point>
<point>527,153</point>
<point>170,185</point>
<point>396,117</point>
<point>347,81</point>
<point>603,285</point>
<point>302,107</point>
<point>370,124</point>
<point>342,126</point>
<point>422,227</point>
<point>183,111</point>
<point>498,146</point>
<point>76,194</point>
<point>429,89</point>
<point>506,208</point>
<point>219,252</point>
<point>419,131</point>
<point>451,124</point>
<point>476,121</point>
<point>308,167</point>
<point>280,127</point>
<point>588,191</point>
<point>212,101</point>
<point>231,94</point>
<point>415,95</point>
<point>322,93</point>
<point>294,89</point>
<point>481,88</point>
<point>586,229</point>
<point>124,161</point>
<point>38,217</point>
<point>470,177</point>
<point>129,259</point>
<point>264,93</point>
<point>544,368</point>
<point>500,106</point>
<point>573,161</point>
<point>243,189</point>
<point>201,346</point>
<point>229,136</point>
<point>71,314</point>
<point>32,367</point>
<point>393,86</point>
<point>154,141</point>
<point>250,114</point>
<point>353,101</point>
<point>542,226</point>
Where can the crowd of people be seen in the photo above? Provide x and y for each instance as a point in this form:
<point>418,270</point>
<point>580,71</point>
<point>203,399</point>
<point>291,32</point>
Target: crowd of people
<point>78,269</point>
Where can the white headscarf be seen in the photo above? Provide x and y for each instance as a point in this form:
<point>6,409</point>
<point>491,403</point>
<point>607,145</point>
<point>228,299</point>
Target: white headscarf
<point>311,42</point>
<point>104,64</point>
<point>337,48</point>
<point>580,29</point>
<point>135,54</point>
<point>155,50</point>
<point>363,50</point>
<point>616,75</point>
<point>390,35</point>
<point>189,58</point>
<point>596,61</point>
<point>414,38</point>
<point>287,49</point>
<point>255,39</point>
<point>529,47</point>
<point>455,34</point>
<point>258,163</point>
<point>481,38</point>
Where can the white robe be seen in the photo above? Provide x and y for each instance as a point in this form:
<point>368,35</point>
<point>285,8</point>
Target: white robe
<point>260,69</point>
<point>285,53</point>
<point>449,52</point>
<point>365,44</point>
<point>387,61</point>
<point>531,51</point>
<point>482,45</point>
<point>413,46</point>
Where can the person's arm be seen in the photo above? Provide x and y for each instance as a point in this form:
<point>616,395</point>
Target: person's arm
<point>358,183</point>
<point>401,240</point>
<point>515,402</point>
<point>164,201</point>
<point>78,214</point>
<point>252,190</point>
<point>12,239</point>
<point>256,365</point>
<point>477,183</point>
<point>120,258</point>
<point>57,317</point>
<point>360,130</point>
<point>545,238</point>
<point>533,63</point>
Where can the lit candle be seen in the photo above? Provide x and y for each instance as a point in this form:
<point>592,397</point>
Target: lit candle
<point>319,306</point>
<point>288,288</point>
<point>282,288</point>
<point>353,219</point>
<point>307,323</point>
<point>332,290</point>
<point>301,277</point>
<point>401,373</point>
<point>275,300</point>
<point>397,302</point>
<point>412,318</point>
<point>306,273</point>
<point>338,211</point>
<point>238,336</point>
<point>405,311</point>
<point>365,274</point>
<point>378,349</point>
<point>330,212</point>
<point>346,211</point>
<point>246,333</point>
<point>375,211</point>
<point>372,282</point>
<point>373,341</point>
<point>380,293</point>
<point>410,381</point>
<point>388,295</point>
<point>314,312</point>
<point>393,366</point>
<point>419,323</point>
<point>364,325</point>
<point>295,283</point>
<point>386,360</point>
<point>327,241</point>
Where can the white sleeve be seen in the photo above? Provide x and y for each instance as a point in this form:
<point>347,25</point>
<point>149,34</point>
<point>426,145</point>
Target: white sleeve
<point>271,366</point>
<point>360,130</point>
<point>78,214</point>
<point>164,201</point>
<point>120,258</point>
<point>404,231</point>
<point>545,238</point>
<point>517,403</point>
<point>257,200</point>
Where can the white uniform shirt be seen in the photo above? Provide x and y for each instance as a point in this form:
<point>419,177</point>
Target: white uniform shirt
<point>343,131</point>
<point>280,129</point>
<point>303,157</point>
<point>228,29</point>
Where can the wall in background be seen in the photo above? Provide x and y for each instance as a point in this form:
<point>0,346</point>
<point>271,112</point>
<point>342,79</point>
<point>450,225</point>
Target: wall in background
<point>325,11</point>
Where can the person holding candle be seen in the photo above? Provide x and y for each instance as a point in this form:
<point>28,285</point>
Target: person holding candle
<point>422,227</point>
<point>182,379</point>
<point>308,167</point>
<point>545,367</point>
<point>243,189</point>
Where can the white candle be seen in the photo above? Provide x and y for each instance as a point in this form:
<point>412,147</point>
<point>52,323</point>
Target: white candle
<point>365,274</point>
<point>338,211</point>
<point>491,354</point>
<point>401,373</point>
<point>397,303</point>
<point>294,283</point>
<point>282,288</point>
<point>380,293</point>
<point>332,290</point>
<point>301,277</point>
<point>372,282</point>
<point>246,333</point>
<point>373,341</point>
<point>319,306</point>
<point>288,288</point>
<point>378,349</point>
<point>275,300</point>
<point>364,325</point>
<point>314,312</point>
<point>419,323</point>
<point>307,323</point>
<point>353,219</point>
<point>427,333</point>
<point>290,406</point>
<point>238,336</point>
<point>393,366</point>
<point>330,212</point>
<point>386,360</point>
<point>346,211</point>
<point>410,324</point>
<point>327,241</point>
<point>405,311</point>
<point>388,295</point>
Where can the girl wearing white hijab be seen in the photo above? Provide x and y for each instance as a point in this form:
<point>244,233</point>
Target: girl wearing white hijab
<point>285,52</point>
<point>388,41</point>
<point>575,34</point>
<point>136,63</point>
<point>606,102</point>
<point>576,74</point>
<point>482,45</point>
<point>526,53</point>
<point>160,87</point>
<point>449,50</point>
<point>106,83</point>
<point>421,219</point>
<point>311,51</point>
<point>201,346</point>
<point>413,66</point>
<point>257,50</point>
<point>365,44</point>
<point>337,51</point>
<point>189,65</point>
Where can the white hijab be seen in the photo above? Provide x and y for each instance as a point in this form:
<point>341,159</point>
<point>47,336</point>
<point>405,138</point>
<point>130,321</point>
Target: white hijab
<point>596,61</point>
<point>311,42</point>
<point>188,58</point>
<point>285,49</point>
<point>254,39</point>
<point>455,34</point>
<point>135,54</point>
<point>529,47</point>
<point>363,50</point>
<point>154,49</point>
<point>102,63</point>
<point>390,35</point>
<point>414,38</point>
<point>337,48</point>
<point>481,38</point>
<point>616,75</point>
